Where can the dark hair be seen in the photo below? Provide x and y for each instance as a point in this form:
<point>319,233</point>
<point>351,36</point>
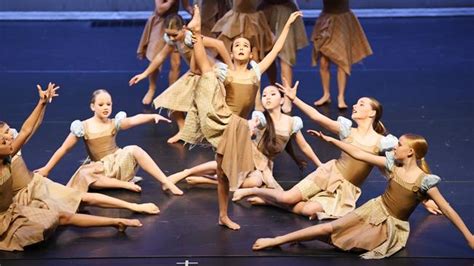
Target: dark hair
<point>97,92</point>
<point>377,124</point>
<point>2,123</point>
<point>174,22</point>
<point>252,45</point>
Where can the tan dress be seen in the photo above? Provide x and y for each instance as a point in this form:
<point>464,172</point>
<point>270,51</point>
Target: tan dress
<point>336,184</point>
<point>34,190</point>
<point>107,158</point>
<point>277,13</point>
<point>179,96</point>
<point>339,36</point>
<point>244,20</point>
<point>264,164</point>
<point>152,41</point>
<point>380,227</point>
<point>211,12</point>
<point>21,226</point>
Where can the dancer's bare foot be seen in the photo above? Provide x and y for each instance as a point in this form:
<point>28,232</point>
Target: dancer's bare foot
<point>172,188</point>
<point>148,98</point>
<point>133,187</point>
<point>196,180</point>
<point>175,178</point>
<point>123,224</point>
<point>240,194</point>
<point>227,222</point>
<point>195,24</point>
<point>174,139</point>
<point>341,103</point>
<point>147,208</point>
<point>323,100</point>
<point>256,201</point>
<point>262,243</point>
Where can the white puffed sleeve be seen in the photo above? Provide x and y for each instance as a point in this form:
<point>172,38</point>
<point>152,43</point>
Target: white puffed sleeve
<point>221,70</point>
<point>167,40</point>
<point>262,122</point>
<point>428,182</point>
<point>387,143</point>
<point>77,128</point>
<point>389,160</point>
<point>297,124</point>
<point>256,68</point>
<point>188,39</point>
<point>345,127</point>
<point>118,119</point>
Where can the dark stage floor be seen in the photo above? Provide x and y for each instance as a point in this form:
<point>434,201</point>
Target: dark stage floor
<point>422,71</point>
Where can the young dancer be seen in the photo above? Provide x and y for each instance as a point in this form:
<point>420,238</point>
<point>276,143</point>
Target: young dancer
<point>178,97</point>
<point>274,132</point>
<point>338,38</point>
<point>98,133</point>
<point>152,42</point>
<point>380,227</point>
<point>26,225</point>
<point>217,116</point>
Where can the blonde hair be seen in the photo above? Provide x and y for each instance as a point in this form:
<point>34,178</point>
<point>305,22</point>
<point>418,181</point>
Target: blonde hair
<point>420,147</point>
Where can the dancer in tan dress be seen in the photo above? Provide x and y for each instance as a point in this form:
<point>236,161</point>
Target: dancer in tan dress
<point>178,97</point>
<point>152,42</point>
<point>211,12</point>
<point>338,38</point>
<point>273,133</point>
<point>380,227</point>
<point>213,119</point>
<point>23,225</point>
<point>98,133</point>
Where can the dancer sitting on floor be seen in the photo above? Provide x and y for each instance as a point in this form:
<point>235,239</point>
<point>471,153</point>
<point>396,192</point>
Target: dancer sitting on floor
<point>26,225</point>
<point>274,133</point>
<point>178,97</point>
<point>119,165</point>
<point>380,227</point>
<point>218,117</point>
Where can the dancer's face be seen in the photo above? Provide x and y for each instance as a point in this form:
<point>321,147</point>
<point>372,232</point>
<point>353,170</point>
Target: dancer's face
<point>271,98</point>
<point>5,146</point>
<point>174,34</point>
<point>241,49</point>
<point>363,109</point>
<point>6,131</point>
<point>403,149</point>
<point>102,105</point>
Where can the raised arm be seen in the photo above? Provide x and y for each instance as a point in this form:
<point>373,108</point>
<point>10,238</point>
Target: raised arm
<point>352,150</point>
<point>270,57</point>
<point>28,127</point>
<point>139,119</point>
<point>219,46</point>
<point>154,65</point>
<point>306,148</point>
<point>311,112</point>
<point>67,145</point>
<point>451,214</point>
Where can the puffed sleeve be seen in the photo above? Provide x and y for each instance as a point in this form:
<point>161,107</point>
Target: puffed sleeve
<point>428,182</point>
<point>188,39</point>
<point>118,119</point>
<point>167,40</point>
<point>297,124</point>
<point>256,68</point>
<point>389,160</point>
<point>77,128</point>
<point>221,70</point>
<point>345,127</point>
<point>387,143</point>
<point>261,118</point>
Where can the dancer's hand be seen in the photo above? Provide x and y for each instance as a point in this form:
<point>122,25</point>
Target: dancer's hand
<point>136,79</point>
<point>320,135</point>
<point>159,118</point>
<point>471,242</point>
<point>46,96</point>
<point>293,17</point>
<point>253,124</point>
<point>290,92</point>
<point>431,207</point>
<point>42,171</point>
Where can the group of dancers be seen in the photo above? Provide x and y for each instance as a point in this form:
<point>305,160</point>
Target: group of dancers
<point>212,104</point>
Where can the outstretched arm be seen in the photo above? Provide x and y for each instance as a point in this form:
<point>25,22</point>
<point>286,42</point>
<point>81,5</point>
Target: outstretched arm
<point>219,46</point>
<point>270,57</point>
<point>28,127</point>
<point>311,112</point>
<point>352,150</point>
<point>154,65</point>
<point>139,119</point>
<point>451,214</point>
<point>306,148</point>
<point>67,145</point>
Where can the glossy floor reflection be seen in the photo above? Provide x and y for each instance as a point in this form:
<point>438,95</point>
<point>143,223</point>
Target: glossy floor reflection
<point>421,70</point>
